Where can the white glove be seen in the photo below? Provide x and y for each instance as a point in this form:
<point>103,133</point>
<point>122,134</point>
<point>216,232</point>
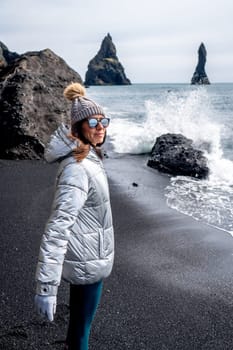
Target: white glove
<point>46,306</point>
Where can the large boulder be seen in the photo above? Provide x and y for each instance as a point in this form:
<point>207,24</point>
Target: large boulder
<point>105,68</point>
<point>32,103</point>
<point>174,154</point>
<point>200,76</point>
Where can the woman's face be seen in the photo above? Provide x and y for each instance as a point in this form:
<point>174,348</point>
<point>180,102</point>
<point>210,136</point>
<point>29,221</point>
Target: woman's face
<point>94,135</point>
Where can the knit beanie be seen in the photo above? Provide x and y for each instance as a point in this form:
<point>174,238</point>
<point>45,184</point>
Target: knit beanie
<point>82,107</point>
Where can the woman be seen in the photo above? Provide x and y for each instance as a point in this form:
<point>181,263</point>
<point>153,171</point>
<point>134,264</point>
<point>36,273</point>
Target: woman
<point>78,243</point>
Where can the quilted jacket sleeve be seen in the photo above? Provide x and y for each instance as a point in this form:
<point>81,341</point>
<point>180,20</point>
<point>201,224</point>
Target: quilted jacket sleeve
<point>70,196</point>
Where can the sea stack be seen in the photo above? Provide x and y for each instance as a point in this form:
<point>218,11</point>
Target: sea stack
<point>105,68</point>
<point>200,76</point>
<point>31,101</point>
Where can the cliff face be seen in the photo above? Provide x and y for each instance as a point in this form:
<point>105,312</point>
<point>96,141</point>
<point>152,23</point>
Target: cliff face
<point>105,68</point>
<point>32,103</point>
<point>200,76</point>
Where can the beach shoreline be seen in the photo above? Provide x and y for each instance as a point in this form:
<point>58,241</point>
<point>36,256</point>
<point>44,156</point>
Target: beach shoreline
<point>171,284</point>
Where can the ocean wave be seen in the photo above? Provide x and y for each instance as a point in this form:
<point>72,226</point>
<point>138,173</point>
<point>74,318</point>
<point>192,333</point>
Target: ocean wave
<point>190,112</point>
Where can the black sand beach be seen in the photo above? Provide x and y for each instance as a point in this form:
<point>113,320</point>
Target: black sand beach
<point>171,286</point>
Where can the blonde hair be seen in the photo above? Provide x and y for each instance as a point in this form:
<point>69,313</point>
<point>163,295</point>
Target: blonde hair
<point>81,152</point>
<point>74,90</point>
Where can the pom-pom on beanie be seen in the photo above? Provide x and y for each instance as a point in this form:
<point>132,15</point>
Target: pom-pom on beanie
<point>82,107</point>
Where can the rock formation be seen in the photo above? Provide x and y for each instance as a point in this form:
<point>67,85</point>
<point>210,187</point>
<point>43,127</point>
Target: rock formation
<point>32,103</point>
<point>174,154</point>
<point>200,76</point>
<point>105,68</point>
<point>6,56</point>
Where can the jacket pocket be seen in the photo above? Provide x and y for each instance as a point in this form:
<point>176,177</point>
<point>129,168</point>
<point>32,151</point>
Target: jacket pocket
<point>106,242</point>
<point>83,247</point>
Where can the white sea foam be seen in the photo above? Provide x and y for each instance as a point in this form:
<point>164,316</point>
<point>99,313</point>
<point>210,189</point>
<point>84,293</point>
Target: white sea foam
<point>188,113</point>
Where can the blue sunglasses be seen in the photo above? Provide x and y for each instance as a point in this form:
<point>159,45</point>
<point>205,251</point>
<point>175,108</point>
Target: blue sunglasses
<point>93,122</point>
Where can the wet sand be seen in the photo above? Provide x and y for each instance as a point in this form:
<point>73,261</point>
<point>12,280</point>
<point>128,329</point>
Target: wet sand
<point>171,286</point>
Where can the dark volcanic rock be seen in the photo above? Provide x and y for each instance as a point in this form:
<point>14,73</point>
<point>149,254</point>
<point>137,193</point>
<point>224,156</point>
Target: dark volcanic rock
<point>174,154</point>
<point>105,68</point>
<point>6,56</point>
<point>32,103</point>
<point>200,76</point>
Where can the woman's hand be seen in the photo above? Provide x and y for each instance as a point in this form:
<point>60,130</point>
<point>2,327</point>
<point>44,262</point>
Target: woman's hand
<point>46,306</point>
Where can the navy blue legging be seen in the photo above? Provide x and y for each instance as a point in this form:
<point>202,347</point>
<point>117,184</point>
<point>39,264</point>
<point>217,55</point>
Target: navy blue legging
<point>84,300</point>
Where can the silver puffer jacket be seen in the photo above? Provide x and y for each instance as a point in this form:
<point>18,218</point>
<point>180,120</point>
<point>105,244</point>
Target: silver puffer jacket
<point>78,243</point>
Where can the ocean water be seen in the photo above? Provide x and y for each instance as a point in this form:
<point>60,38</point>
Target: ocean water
<point>141,112</point>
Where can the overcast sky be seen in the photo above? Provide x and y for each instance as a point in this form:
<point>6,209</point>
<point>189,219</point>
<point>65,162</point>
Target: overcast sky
<point>156,40</point>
